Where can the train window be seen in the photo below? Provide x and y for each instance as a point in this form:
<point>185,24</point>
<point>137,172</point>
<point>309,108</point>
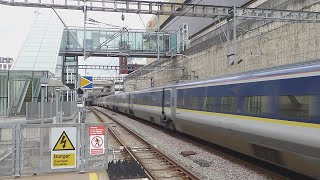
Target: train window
<point>194,102</point>
<point>155,98</point>
<point>208,103</point>
<point>180,102</point>
<point>167,99</point>
<point>295,106</point>
<point>256,105</point>
<point>146,98</point>
<point>228,104</point>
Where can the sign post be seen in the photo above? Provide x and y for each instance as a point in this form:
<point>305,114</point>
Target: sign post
<point>96,134</point>
<point>63,142</point>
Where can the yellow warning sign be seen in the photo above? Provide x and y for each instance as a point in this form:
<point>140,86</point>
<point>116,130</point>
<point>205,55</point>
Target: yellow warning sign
<point>62,160</point>
<point>63,143</point>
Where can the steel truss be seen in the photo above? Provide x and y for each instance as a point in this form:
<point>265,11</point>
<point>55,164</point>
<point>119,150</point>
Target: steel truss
<point>172,9</point>
<point>106,67</point>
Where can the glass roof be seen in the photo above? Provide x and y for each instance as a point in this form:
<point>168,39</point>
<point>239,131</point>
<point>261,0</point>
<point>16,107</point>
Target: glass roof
<point>41,48</point>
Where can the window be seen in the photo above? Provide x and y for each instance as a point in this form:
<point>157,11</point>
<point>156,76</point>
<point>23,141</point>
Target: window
<point>194,102</point>
<point>180,102</point>
<point>295,106</point>
<point>228,104</point>
<point>155,98</point>
<point>259,105</point>
<point>167,99</point>
<point>146,99</point>
<point>208,103</point>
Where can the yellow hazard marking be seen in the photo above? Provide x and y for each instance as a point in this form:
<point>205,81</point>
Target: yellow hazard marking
<point>93,176</point>
<point>84,82</point>
<point>63,143</point>
<point>60,160</point>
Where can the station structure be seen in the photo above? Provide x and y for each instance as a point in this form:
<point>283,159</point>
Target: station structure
<point>185,40</point>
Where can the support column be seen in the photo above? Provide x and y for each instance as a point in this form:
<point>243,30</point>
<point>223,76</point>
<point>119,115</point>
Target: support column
<point>84,29</point>
<point>234,35</point>
<point>228,43</point>
<point>158,36</point>
<point>43,90</point>
<point>57,106</point>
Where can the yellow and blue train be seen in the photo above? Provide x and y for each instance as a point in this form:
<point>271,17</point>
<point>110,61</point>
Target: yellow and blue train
<point>271,114</point>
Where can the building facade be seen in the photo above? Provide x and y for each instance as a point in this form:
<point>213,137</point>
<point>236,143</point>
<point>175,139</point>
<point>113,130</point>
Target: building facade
<point>6,63</point>
<point>259,44</point>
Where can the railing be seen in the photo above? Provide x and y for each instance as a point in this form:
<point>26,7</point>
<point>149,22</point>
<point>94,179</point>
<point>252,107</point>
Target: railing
<point>33,111</point>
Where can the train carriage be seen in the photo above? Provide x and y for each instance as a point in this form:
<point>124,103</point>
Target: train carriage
<point>271,115</point>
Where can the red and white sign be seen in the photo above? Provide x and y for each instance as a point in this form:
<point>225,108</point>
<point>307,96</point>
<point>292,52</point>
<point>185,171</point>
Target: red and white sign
<point>96,134</point>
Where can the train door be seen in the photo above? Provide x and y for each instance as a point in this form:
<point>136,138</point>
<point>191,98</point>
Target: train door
<point>173,103</point>
<point>130,103</point>
<point>163,104</point>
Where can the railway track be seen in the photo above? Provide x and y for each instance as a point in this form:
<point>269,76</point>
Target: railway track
<point>156,164</point>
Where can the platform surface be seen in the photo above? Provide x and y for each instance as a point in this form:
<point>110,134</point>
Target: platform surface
<point>68,176</point>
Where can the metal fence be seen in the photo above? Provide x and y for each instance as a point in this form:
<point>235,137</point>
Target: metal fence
<point>69,108</point>
<point>7,148</point>
<point>25,149</point>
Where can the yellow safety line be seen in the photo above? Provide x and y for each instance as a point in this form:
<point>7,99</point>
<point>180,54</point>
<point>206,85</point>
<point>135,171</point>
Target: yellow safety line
<point>276,121</point>
<point>269,120</point>
<point>93,176</point>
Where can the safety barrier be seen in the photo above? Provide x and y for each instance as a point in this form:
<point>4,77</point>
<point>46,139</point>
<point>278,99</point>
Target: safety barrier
<point>33,109</point>
<point>7,149</point>
<point>27,149</point>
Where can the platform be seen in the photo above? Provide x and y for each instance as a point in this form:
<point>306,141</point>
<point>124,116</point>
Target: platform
<point>69,176</point>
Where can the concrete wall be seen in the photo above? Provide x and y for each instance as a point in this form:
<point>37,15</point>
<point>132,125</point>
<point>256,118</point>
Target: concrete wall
<point>267,45</point>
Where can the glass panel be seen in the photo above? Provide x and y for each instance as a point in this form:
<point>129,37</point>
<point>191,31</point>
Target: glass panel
<point>295,106</point>
<point>194,102</point>
<point>228,104</point>
<point>139,41</point>
<point>257,105</point>
<point>180,102</point>
<point>208,103</point>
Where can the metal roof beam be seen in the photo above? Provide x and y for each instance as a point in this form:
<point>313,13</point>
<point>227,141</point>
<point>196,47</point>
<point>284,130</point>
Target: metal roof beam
<point>174,9</point>
<point>277,15</point>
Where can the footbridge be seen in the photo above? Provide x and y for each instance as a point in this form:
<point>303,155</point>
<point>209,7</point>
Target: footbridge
<point>117,42</point>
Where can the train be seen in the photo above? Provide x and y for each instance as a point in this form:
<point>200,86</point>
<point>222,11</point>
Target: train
<point>270,114</point>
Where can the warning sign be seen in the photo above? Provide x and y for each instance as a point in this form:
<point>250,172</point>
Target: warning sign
<point>96,134</point>
<point>63,143</point>
<point>62,160</point>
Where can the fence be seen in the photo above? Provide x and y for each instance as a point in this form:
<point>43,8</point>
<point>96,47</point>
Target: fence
<point>27,149</point>
<point>33,112</point>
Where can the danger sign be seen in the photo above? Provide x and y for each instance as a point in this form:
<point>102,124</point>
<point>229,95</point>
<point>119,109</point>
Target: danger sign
<point>96,134</point>
<point>63,143</point>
